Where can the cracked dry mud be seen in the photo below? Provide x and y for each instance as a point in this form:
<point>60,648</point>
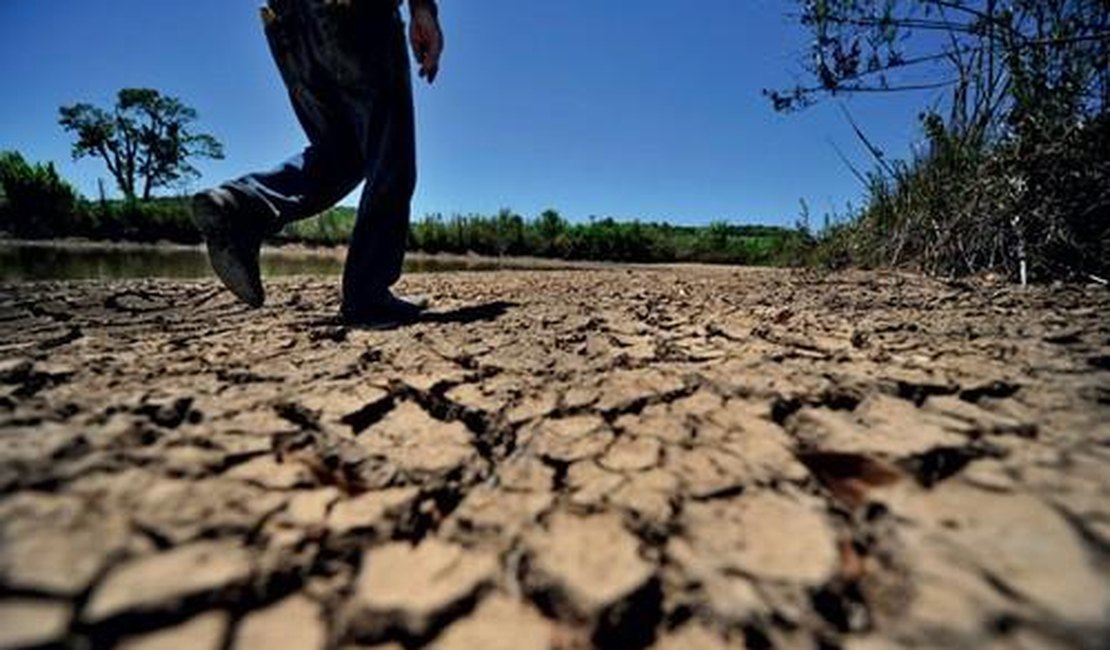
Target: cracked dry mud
<point>619,458</point>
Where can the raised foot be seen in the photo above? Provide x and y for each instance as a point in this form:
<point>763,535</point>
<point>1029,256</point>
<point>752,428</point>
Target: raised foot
<point>233,245</point>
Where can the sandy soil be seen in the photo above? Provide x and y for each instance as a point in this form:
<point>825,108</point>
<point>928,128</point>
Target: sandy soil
<point>671,458</point>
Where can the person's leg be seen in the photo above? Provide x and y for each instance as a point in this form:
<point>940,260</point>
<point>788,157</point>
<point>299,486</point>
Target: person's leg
<point>235,217</point>
<point>332,165</point>
<point>386,134</point>
<point>301,187</point>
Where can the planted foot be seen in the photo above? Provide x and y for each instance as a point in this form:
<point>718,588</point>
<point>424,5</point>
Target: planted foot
<point>387,312</point>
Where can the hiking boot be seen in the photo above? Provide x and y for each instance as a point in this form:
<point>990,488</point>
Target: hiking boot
<point>387,312</point>
<point>233,243</point>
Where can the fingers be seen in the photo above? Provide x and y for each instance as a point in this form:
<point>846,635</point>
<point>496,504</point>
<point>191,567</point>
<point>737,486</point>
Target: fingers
<point>427,45</point>
<point>427,54</point>
<point>429,64</point>
<point>434,54</point>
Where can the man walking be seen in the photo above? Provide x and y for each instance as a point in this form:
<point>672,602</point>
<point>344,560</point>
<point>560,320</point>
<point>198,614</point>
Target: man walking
<point>345,64</point>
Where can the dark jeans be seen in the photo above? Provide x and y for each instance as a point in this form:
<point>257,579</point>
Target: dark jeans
<point>348,76</point>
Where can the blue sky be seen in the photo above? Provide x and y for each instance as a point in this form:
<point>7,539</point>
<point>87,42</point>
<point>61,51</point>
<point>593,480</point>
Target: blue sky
<point>645,109</point>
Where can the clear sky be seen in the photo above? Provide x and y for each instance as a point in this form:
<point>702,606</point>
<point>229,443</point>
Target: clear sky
<point>645,109</point>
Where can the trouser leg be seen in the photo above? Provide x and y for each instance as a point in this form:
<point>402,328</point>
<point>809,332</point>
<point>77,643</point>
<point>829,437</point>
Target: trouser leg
<point>301,187</point>
<point>348,75</point>
<point>377,245</point>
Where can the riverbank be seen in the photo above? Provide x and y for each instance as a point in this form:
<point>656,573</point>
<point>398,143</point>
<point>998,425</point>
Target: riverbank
<point>627,458</point>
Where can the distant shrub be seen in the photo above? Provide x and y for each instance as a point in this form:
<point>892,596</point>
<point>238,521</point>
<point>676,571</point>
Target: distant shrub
<point>330,228</point>
<point>549,235</point>
<point>162,219</point>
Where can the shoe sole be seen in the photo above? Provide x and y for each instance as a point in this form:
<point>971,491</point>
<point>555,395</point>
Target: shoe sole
<point>380,327</point>
<point>221,256</point>
<point>383,324</point>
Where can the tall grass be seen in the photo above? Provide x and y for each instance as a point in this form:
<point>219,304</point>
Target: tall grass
<point>1034,207</point>
<point>1015,176</point>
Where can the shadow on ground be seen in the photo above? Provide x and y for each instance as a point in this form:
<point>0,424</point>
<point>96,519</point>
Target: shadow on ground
<point>483,313</point>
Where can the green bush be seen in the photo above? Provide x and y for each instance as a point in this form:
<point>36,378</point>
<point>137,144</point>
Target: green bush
<point>330,228</point>
<point>36,202</point>
<point>163,219</point>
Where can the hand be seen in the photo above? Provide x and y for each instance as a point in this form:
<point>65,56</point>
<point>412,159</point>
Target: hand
<point>426,37</point>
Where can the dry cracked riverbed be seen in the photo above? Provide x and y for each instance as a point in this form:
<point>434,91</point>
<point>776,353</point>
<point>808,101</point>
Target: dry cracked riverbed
<point>671,458</point>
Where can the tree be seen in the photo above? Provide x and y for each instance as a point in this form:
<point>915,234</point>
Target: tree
<point>510,232</point>
<point>146,140</point>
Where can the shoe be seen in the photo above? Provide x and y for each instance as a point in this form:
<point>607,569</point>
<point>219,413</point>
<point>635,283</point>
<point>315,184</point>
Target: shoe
<point>387,312</point>
<point>233,245</point>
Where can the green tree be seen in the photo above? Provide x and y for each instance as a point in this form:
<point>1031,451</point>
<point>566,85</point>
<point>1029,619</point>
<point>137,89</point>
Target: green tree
<point>146,140</point>
<point>510,233</point>
<point>550,227</point>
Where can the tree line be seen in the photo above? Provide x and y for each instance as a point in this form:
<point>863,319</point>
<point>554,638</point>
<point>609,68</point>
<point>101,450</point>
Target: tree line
<point>550,235</point>
<point>36,203</point>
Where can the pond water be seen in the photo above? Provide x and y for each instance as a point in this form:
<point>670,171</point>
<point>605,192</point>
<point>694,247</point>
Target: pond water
<point>25,262</point>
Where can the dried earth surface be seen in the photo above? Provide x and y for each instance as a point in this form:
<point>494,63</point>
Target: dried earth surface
<point>665,458</point>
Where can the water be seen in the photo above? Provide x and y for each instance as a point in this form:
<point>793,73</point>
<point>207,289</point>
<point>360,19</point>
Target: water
<point>25,262</point>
